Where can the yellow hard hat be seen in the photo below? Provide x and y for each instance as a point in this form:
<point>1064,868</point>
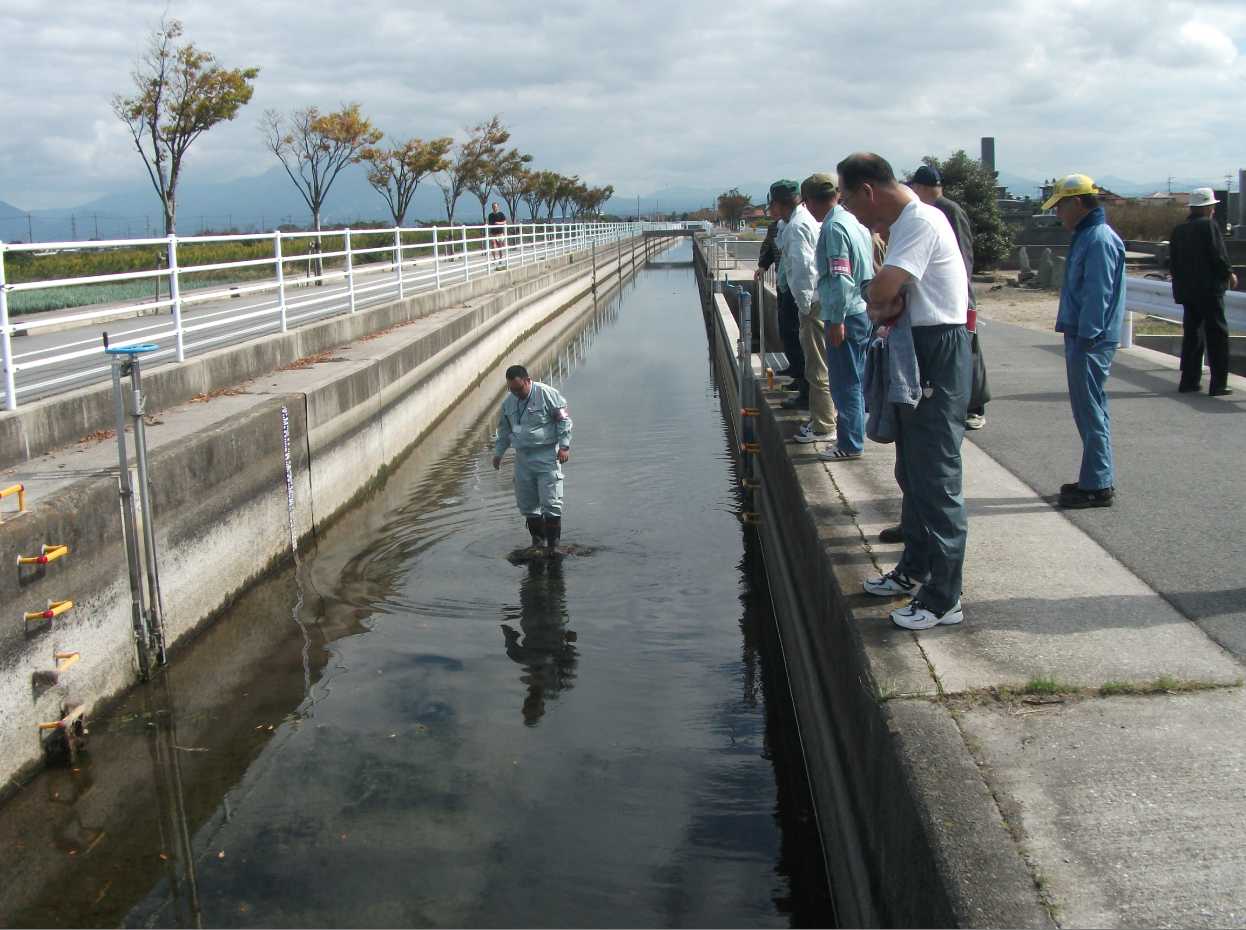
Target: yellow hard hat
<point>1073,185</point>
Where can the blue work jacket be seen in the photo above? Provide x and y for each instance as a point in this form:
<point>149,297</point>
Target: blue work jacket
<point>1092,298</point>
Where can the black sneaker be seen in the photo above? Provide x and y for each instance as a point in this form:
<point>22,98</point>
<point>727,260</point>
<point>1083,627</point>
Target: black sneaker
<point>892,534</point>
<point>1079,499</point>
<point>1187,388</point>
<point>1220,392</point>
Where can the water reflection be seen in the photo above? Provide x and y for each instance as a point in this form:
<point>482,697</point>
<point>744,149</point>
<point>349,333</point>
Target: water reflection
<point>542,645</point>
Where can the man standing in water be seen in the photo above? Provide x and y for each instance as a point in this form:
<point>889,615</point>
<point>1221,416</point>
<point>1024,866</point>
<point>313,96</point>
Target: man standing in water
<point>536,421</point>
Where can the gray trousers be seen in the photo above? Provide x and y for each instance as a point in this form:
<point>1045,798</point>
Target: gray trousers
<point>928,465</point>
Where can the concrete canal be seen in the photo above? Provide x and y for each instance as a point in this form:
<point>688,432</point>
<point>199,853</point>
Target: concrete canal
<point>409,729</point>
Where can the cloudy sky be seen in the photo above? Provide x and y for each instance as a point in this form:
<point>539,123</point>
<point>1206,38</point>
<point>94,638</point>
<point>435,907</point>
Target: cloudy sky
<point>646,95</point>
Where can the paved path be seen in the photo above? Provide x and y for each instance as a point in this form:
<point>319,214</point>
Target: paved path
<point>1181,464</point>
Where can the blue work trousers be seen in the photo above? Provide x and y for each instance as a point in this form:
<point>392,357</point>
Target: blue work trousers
<point>846,366</point>
<point>928,465</point>
<point>538,481</point>
<point>1087,364</point>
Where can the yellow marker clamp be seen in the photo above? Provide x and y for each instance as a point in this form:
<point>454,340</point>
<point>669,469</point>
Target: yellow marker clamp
<point>67,721</point>
<point>749,411</point>
<point>751,518</point>
<point>20,491</point>
<point>750,484</point>
<point>753,447</point>
<point>47,554</point>
<point>65,659</point>
<point>54,609</point>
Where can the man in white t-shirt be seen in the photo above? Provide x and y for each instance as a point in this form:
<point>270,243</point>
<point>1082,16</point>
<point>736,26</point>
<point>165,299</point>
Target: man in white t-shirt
<point>922,285</point>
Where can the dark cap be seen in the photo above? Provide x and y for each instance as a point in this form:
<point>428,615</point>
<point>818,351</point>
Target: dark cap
<point>927,176</point>
<point>785,191</point>
<point>818,186</point>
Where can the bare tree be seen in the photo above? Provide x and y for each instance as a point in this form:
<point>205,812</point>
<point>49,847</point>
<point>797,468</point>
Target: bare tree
<point>469,167</point>
<point>180,93</point>
<point>396,172</point>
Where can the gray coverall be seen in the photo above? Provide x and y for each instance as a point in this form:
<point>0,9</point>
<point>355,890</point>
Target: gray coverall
<point>536,428</point>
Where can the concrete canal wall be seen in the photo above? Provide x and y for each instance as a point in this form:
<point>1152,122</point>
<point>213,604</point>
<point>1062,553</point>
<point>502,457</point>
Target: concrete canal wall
<point>911,832</point>
<point>358,391</point>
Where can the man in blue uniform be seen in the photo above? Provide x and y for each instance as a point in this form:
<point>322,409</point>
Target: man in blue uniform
<point>1092,302</point>
<point>535,420</point>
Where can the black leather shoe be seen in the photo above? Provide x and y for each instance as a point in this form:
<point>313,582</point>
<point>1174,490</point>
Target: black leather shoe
<point>1077,499</point>
<point>1220,392</point>
<point>892,534</point>
<point>1187,388</point>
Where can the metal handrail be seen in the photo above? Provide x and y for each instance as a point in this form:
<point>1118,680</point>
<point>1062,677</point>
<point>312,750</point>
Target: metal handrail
<point>449,255</point>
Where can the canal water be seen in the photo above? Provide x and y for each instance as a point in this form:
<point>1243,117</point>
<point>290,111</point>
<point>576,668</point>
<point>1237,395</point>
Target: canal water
<point>409,729</point>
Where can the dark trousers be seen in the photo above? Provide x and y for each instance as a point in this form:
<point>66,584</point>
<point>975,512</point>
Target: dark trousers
<point>789,333</point>
<point>928,465</point>
<point>1204,327</point>
<point>980,391</point>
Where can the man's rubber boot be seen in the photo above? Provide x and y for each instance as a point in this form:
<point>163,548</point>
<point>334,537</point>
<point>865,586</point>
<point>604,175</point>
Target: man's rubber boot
<point>536,526</point>
<point>553,530</point>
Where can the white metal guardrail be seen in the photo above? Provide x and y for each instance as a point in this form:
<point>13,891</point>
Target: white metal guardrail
<point>365,266</point>
<point>1153,297</point>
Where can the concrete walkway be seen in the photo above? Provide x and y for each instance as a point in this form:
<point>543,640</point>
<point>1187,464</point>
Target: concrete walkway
<point>1095,683</point>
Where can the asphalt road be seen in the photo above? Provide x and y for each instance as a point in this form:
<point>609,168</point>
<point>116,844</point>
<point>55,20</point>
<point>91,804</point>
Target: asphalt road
<point>1177,521</point>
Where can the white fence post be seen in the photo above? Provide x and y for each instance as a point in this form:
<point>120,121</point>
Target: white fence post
<point>436,259</point>
<point>398,258</point>
<point>350,270</point>
<point>281,280</point>
<point>175,293</point>
<point>467,265</point>
<point>6,342</point>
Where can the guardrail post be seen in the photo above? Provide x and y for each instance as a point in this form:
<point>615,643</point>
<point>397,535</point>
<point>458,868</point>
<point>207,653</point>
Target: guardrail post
<point>467,265</point>
<point>281,279</point>
<point>436,259</point>
<point>1127,330</point>
<point>6,341</point>
<point>350,270</point>
<point>398,258</point>
<point>175,294</point>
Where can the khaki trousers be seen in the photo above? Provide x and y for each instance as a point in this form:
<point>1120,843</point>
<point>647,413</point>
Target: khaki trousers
<point>813,342</point>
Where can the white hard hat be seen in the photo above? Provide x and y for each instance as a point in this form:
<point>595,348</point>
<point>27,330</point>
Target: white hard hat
<point>1202,197</point>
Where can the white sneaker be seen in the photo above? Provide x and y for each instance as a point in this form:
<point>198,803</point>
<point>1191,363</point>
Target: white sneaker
<point>975,421</point>
<point>806,434</point>
<point>889,585</point>
<point>917,616</point>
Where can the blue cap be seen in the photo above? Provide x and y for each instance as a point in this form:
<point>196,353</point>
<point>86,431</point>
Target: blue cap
<point>928,176</point>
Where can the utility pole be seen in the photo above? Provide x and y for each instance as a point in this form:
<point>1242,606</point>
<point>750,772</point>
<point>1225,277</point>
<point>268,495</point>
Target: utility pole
<point>73,227</point>
<point>1170,184</point>
<point>30,229</point>
<point>96,217</point>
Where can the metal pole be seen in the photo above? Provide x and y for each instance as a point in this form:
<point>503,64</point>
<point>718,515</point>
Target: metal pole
<point>6,341</point>
<point>436,259</point>
<point>156,605</point>
<point>175,294</point>
<point>467,270</point>
<point>1127,330</point>
<point>398,259</point>
<point>281,279</point>
<point>761,324</point>
<point>594,266</point>
<point>350,271</point>
<point>138,615</point>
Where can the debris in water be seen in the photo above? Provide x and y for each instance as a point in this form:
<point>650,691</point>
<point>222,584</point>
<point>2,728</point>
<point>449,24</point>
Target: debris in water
<point>221,854</point>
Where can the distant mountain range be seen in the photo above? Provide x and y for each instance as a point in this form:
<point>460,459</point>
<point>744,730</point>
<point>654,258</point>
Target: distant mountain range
<point>260,202</point>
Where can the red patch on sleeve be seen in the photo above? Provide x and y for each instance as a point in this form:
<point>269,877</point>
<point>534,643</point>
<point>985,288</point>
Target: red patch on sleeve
<point>841,266</point>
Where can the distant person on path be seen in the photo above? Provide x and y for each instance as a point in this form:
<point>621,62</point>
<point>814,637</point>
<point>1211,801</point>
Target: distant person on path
<point>497,231</point>
<point>1200,275</point>
<point>927,184</point>
<point>799,244</point>
<point>845,264</point>
<point>922,285</point>
<point>788,317</point>
<point>536,421</point>
<point>1092,301</point>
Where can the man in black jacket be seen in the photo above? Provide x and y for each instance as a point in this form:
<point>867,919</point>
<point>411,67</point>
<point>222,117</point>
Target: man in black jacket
<point>1200,274</point>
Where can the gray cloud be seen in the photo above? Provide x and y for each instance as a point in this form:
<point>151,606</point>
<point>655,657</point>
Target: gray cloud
<point>645,94</point>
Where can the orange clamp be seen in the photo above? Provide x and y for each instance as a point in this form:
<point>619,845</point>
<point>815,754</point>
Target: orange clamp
<point>752,447</point>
